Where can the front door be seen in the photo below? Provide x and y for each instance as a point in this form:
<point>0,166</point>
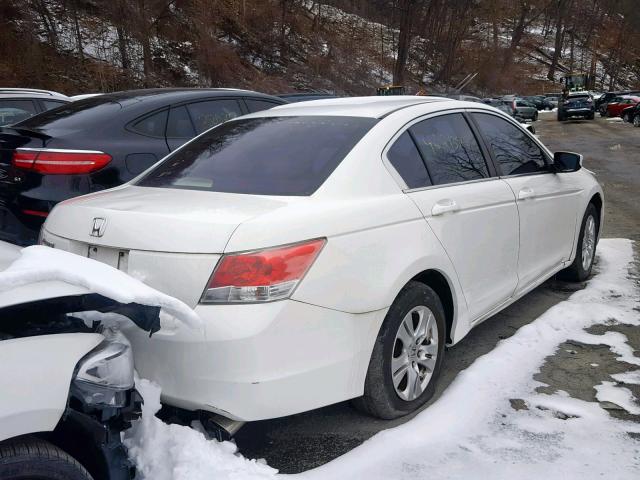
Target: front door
<point>547,202</point>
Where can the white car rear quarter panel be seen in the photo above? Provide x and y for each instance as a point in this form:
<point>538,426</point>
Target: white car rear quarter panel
<point>36,375</point>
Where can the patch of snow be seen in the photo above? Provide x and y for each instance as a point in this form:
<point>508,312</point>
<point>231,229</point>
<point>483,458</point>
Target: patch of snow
<point>621,396</point>
<point>553,110</point>
<point>175,452</point>
<point>614,119</point>
<point>39,263</point>
<point>630,378</point>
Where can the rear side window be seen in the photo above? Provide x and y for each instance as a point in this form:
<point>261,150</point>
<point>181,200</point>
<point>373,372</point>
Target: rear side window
<point>256,105</point>
<point>152,126</point>
<point>49,104</point>
<point>515,152</point>
<point>450,150</point>
<point>75,115</point>
<point>405,158</point>
<point>209,114</point>
<point>262,156</point>
<point>14,111</point>
<point>179,124</point>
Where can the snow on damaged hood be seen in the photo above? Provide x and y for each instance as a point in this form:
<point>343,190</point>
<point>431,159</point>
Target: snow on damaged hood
<point>39,274</point>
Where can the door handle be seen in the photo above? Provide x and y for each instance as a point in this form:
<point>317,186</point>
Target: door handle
<point>526,192</point>
<point>444,206</point>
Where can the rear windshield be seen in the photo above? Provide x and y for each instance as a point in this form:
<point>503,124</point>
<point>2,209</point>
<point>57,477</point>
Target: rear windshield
<point>74,115</point>
<point>262,156</point>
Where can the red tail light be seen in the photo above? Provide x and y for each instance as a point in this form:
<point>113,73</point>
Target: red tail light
<point>261,276</point>
<point>59,162</point>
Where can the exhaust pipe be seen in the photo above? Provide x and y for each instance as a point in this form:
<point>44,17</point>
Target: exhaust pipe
<point>219,427</point>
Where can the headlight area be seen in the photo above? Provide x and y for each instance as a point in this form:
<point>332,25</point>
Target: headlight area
<point>104,377</point>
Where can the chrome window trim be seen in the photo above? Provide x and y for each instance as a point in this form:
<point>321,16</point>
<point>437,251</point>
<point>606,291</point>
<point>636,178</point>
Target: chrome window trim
<point>446,185</point>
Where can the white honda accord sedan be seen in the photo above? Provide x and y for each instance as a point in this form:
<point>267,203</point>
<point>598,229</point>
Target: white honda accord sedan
<point>333,248</point>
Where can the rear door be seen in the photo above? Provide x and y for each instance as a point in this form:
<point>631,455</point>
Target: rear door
<point>547,202</point>
<point>470,210</point>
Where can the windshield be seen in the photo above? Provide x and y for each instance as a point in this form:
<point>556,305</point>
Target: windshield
<point>262,156</point>
<point>74,115</point>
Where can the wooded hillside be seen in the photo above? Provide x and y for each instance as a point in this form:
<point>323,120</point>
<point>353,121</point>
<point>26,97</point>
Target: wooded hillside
<point>342,46</point>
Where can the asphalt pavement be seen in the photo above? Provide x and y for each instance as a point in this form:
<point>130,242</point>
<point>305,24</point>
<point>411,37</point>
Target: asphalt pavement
<point>612,150</point>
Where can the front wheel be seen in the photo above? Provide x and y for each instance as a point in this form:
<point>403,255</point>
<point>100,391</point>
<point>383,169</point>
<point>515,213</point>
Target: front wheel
<point>32,458</point>
<point>407,356</point>
<point>582,264</point>
<point>636,121</point>
<point>625,117</point>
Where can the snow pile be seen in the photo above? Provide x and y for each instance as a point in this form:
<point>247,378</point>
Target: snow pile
<point>473,432</point>
<point>40,264</point>
<point>175,452</point>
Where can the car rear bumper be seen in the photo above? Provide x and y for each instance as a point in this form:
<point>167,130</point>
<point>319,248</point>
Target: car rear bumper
<point>259,361</point>
<point>578,112</point>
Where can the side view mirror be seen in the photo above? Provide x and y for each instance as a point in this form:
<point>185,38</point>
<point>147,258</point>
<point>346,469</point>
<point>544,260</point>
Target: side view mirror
<point>567,162</point>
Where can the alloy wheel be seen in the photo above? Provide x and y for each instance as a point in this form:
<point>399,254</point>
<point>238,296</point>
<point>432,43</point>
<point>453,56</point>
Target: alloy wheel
<point>588,242</point>
<point>415,352</point>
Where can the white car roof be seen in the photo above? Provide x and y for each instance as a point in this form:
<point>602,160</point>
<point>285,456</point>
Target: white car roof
<point>373,107</point>
<point>30,92</point>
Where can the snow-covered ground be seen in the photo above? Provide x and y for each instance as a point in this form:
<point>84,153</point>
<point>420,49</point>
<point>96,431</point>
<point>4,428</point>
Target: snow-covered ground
<point>472,430</point>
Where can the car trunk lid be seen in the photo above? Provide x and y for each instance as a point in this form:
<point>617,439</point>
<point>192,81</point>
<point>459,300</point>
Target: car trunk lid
<point>158,219</point>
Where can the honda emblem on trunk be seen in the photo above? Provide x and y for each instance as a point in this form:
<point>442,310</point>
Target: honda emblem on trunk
<point>99,225</point>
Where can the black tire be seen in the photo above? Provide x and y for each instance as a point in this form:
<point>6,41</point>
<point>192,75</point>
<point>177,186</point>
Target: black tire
<point>535,117</point>
<point>591,116</point>
<point>636,121</point>
<point>625,118</point>
<point>380,398</point>
<point>34,459</point>
<point>576,271</point>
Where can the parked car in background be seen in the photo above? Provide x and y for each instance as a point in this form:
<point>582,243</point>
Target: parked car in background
<point>615,107</point>
<point>576,104</point>
<point>68,389</point>
<point>607,97</point>
<point>632,114</point>
<point>524,110</point>
<point>502,105</point>
<point>17,104</point>
<point>100,142</point>
<point>259,226</point>
<point>305,97</point>
<point>539,101</point>
<point>552,101</point>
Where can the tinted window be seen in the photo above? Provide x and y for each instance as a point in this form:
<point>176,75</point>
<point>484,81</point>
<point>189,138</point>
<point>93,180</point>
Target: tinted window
<point>514,151</point>
<point>262,156</point>
<point>405,158</point>
<point>209,114</point>
<point>449,149</point>
<point>179,124</point>
<point>13,111</point>
<point>153,125</point>
<point>49,104</point>
<point>75,115</point>
<point>256,105</point>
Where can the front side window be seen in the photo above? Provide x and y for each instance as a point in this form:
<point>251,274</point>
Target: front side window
<point>406,159</point>
<point>211,113</point>
<point>514,151</point>
<point>450,150</point>
<point>262,156</point>
<point>13,111</point>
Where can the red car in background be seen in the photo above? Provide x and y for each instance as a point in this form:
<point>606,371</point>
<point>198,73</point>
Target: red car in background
<point>618,104</point>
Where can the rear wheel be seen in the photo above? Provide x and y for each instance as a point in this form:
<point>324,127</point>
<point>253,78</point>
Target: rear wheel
<point>582,264</point>
<point>535,116</point>
<point>561,116</point>
<point>407,356</point>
